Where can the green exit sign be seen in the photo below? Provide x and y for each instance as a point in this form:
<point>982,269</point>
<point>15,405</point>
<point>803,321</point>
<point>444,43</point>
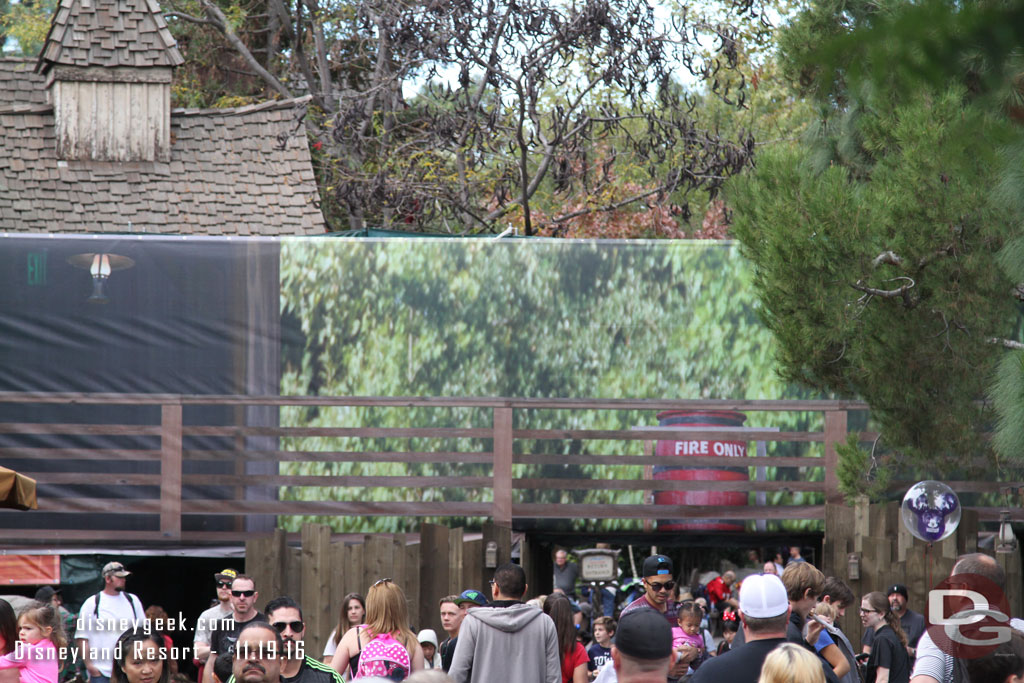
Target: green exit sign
<point>36,268</point>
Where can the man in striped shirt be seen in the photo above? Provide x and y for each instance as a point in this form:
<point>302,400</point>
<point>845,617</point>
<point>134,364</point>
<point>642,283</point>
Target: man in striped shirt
<point>933,665</point>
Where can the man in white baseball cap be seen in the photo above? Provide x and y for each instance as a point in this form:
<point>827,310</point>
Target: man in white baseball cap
<point>764,612</point>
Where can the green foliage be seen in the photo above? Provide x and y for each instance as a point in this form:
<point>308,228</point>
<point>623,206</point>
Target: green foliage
<point>819,238</point>
<point>538,319</point>
<point>27,22</point>
<point>860,473</point>
<point>1007,395</point>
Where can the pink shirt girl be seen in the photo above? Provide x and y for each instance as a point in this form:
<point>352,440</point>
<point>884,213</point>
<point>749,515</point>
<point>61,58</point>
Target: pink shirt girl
<point>36,662</point>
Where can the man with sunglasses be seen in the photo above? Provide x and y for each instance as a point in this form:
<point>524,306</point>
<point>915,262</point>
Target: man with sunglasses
<point>659,585</point>
<point>209,620</point>
<point>243,610</point>
<point>285,616</point>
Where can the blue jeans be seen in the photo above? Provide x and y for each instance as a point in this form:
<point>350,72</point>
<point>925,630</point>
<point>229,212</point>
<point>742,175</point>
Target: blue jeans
<point>608,601</point>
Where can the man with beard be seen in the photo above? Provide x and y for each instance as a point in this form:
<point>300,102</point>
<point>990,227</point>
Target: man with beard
<point>210,619</point>
<point>257,654</point>
<point>103,618</point>
<point>285,615</point>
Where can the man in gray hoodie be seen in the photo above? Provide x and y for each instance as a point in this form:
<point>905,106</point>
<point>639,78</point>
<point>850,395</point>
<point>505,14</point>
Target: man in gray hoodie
<point>508,640</point>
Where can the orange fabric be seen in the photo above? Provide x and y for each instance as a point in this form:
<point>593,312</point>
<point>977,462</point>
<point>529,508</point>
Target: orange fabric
<point>30,570</point>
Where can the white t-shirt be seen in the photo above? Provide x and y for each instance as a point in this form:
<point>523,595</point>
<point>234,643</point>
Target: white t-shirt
<point>331,647</point>
<point>116,615</point>
<point>208,622</point>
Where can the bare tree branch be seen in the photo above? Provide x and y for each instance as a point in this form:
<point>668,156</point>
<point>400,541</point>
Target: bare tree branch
<point>221,22</point>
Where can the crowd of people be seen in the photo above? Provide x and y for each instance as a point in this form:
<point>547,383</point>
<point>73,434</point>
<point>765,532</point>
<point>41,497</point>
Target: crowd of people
<point>770,627</point>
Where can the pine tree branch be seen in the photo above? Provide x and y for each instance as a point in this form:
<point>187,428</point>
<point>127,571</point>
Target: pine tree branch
<point>1006,343</point>
<point>889,257</point>
<point>901,291</point>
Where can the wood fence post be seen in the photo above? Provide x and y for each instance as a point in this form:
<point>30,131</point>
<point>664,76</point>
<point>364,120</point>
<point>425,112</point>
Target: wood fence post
<point>433,573</point>
<point>503,467</point>
<point>315,590</point>
<point>835,433</point>
<point>170,471</point>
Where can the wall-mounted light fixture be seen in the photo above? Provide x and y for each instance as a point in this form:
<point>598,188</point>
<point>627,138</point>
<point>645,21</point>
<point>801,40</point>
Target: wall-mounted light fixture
<point>1006,542</point>
<point>853,567</point>
<point>491,555</point>
<point>100,266</point>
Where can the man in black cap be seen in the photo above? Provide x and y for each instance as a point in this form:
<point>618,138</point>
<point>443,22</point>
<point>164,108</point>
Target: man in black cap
<point>911,622</point>
<point>659,583</point>
<point>210,620</point>
<point>642,652</point>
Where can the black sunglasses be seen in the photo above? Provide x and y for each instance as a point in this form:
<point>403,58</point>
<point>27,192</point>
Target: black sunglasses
<point>243,594</point>
<point>656,586</point>
<point>296,626</point>
<point>223,584</point>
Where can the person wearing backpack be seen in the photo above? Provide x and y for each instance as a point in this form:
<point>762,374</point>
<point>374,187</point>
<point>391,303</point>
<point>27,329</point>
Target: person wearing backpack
<point>383,646</point>
<point>103,617</point>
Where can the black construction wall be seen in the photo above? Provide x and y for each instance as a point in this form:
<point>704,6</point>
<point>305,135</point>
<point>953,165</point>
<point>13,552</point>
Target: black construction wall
<point>178,321</point>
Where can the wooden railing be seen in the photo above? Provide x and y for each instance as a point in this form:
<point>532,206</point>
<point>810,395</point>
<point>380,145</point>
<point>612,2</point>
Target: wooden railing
<point>164,503</point>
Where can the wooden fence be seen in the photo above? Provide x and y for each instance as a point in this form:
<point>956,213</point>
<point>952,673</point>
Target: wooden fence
<point>886,553</point>
<point>323,570</point>
<point>161,493</point>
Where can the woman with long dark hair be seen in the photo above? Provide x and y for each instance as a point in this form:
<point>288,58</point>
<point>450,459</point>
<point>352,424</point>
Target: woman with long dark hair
<point>353,613</point>
<point>8,628</point>
<point>889,661</point>
<point>571,653</point>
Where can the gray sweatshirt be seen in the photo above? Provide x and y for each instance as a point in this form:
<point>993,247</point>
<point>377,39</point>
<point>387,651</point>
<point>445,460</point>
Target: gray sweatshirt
<point>507,643</point>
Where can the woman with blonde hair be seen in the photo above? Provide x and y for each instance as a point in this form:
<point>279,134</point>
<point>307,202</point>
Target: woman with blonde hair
<point>889,661</point>
<point>791,663</point>
<point>384,646</point>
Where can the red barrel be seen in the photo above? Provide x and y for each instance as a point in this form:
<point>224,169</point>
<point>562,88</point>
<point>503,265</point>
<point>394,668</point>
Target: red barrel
<point>702,448</point>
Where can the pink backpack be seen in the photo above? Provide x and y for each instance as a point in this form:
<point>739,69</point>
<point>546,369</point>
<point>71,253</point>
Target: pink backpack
<point>385,657</point>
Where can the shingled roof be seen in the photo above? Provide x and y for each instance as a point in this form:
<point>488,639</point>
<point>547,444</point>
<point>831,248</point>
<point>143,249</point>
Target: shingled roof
<point>228,174</point>
<point>19,83</point>
<point>109,33</point>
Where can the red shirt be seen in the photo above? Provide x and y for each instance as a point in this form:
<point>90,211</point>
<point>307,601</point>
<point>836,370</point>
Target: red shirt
<point>578,655</point>
<point>718,591</point>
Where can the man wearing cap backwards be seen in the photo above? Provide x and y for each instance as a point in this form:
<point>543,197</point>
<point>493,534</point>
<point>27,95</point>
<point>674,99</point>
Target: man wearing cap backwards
<point>507,640</point>
<point>911,622</point>
<point>103,618</point>
<point>658,584</point>
<point>764,613</point>
<point>210,619</point>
